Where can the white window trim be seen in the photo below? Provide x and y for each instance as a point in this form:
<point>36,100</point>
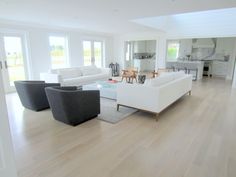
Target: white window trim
<point>67,52</point>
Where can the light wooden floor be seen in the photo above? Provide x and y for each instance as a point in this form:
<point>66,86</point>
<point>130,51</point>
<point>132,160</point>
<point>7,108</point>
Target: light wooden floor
<point>195,137</point>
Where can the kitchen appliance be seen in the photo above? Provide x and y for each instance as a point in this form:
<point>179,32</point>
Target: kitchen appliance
<point>207,69</point>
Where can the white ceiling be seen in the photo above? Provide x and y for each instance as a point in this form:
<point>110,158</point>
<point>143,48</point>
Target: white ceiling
<point>109,16</point>
<point>215,23</point>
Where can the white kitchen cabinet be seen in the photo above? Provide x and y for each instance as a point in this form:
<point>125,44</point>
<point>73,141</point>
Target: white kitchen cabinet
<point>144,64</point>
<point>151,46</point>
<point>219,68</point>
<point>185,47</point>
<point>145,46</point>
<point>139,47</point>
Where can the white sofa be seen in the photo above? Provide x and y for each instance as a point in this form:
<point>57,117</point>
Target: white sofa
<point>155,94</point>
<point>76,76</point>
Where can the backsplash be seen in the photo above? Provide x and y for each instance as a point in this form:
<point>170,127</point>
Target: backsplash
<point>144,55</point>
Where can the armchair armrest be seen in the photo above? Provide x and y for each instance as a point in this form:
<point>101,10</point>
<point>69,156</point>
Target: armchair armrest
<point>87,103</point>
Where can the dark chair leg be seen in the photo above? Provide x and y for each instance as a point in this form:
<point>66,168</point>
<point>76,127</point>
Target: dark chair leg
<point>117,107</point>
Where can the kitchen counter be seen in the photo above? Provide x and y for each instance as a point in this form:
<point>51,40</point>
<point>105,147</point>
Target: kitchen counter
<point>190,65</point>
<point>145,64</point>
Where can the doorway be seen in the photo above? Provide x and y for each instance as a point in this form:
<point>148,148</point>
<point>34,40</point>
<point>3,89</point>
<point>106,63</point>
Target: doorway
<point>13,63</point>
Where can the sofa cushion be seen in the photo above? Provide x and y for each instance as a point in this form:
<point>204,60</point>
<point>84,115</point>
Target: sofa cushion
<point>147,82</point>
<point>69,73</point>
<point>156,82</point>
<point>85,79</point>
<point>90,70</point>
<point>179,74</point>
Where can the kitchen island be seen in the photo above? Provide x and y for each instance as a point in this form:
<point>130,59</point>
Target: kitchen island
<point>146,64</point>
<point>194,67</point>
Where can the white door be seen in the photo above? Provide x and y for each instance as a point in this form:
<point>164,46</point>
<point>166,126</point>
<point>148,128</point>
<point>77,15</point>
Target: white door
<point>7,163</point>
<point>93,53</point>
<point>12,60</point>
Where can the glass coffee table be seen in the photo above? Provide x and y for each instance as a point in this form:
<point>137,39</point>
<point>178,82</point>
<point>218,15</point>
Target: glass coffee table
<point>107,88</point>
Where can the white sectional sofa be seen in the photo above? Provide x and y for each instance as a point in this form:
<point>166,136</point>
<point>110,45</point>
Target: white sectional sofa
<point>155,94</point>
<point>76,76</point>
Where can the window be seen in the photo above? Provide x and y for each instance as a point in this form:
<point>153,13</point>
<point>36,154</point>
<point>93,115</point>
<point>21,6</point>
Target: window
<point>58,51</point>
<point>93,53</point>
<point>173,51</point>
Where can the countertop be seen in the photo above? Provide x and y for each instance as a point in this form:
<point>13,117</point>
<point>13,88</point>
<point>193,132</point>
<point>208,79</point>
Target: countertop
<point>193,60</point>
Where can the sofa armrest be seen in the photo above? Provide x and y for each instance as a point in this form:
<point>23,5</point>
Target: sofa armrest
<point>50,78</point>
<point>107,71</point>
<point>172,91</point>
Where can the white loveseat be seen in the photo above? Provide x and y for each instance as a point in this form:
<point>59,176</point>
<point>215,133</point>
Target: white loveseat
<point>155,94</point>
<point>76,76</point>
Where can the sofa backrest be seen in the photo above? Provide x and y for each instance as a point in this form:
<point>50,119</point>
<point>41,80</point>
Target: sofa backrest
<point>67,72</point>
<point>164,79</point>
<point>90,70</point>
<point>76,71</point>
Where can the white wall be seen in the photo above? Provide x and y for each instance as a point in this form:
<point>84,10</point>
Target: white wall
<point>119,41</point>
<point>185,47</point>
<point>7,162</point>
<point>234,69</point>
<point>227,45</point>
<point>37,39</point>
<point>234,79</point>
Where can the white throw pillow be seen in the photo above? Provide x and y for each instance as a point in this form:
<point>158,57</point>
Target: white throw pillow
<point>158,81</point>
<point>90,70</point>
<point>69,73</point>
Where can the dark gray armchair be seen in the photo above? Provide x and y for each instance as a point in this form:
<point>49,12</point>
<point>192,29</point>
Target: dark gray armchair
<point>73,106</point>
<point>32,94</point>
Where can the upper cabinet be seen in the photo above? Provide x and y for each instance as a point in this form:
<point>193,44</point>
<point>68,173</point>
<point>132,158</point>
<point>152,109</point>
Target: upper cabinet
<point>145,46</point>
<point>139,47</point>
<point>151,46</point>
